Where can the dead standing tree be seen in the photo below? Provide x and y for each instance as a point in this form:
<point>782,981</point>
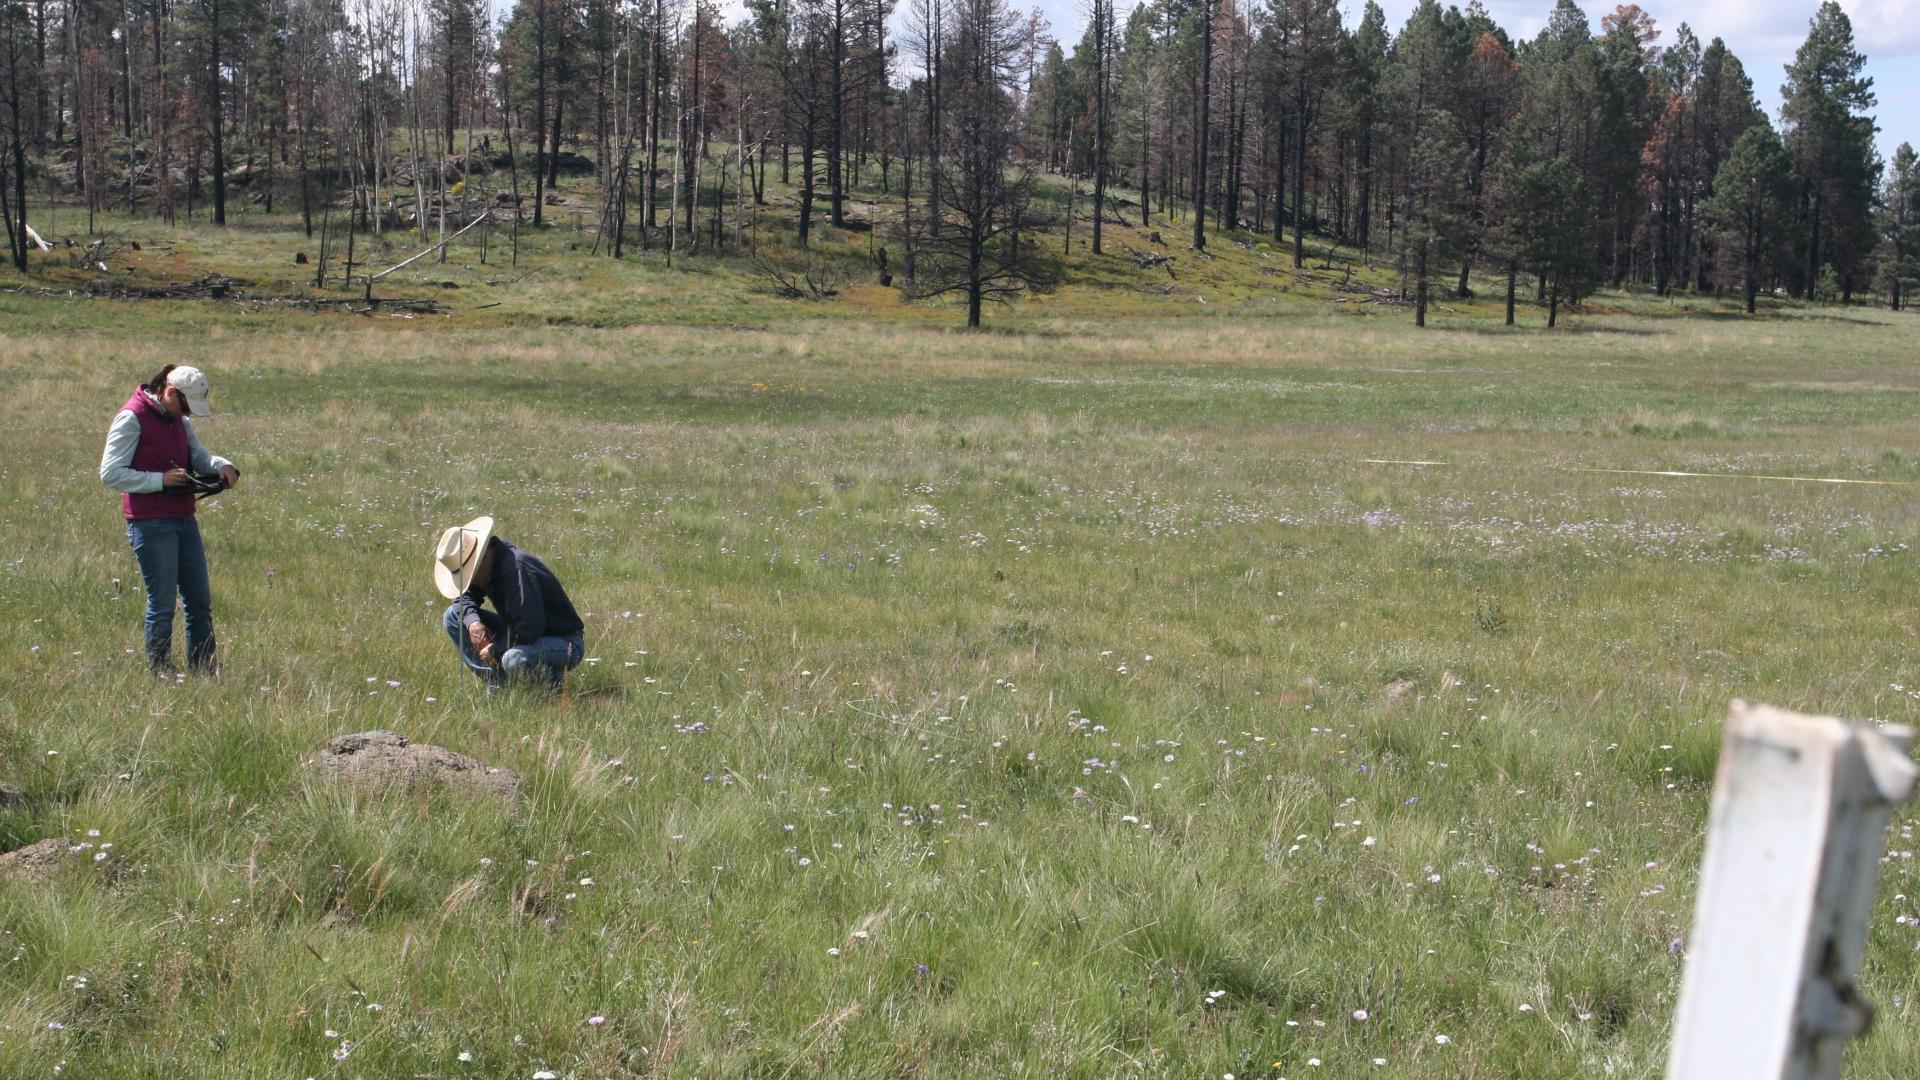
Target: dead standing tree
<point>613,213</point>
<point>15,80</point>
<point>1202,123</point>
<point>920,123</point>
<point>805,93</point>
<point>1101,17</point>
<point>975,246</point>
<point>538,32</point>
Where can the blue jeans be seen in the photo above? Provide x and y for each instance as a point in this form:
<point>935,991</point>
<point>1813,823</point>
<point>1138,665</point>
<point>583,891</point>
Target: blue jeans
<point>545,658</point>
<point>173,563</point>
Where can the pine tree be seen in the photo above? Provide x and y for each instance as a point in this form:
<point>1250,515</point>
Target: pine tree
<point>1433,164</point>
<point>1900,226</point>
<point>1830,139</point>
<point>1202,120</point>
<point>1052,106</point>
<point>1622,104</point>
<point>1749,208</point>
<point>1101,31</point>
<point>1312,49</point>
<point>1359,89</point>
<point>1484,110</point>
<point>456,26</point>
<point>1549,225</point>
<point>19,75</point>
<point>1725,107</point>
<point>218,35</point>
<point>540,33</point>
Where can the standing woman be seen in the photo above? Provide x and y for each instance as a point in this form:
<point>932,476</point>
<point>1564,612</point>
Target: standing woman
<point>151,451</point>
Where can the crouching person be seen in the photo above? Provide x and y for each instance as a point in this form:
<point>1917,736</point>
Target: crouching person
<point>532,633</point>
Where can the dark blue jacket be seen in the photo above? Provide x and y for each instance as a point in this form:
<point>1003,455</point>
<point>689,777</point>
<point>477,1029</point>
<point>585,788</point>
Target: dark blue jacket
<point>525,593</point>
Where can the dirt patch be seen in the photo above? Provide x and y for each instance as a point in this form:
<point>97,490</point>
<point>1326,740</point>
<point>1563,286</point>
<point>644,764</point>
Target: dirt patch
<point>386,758</point>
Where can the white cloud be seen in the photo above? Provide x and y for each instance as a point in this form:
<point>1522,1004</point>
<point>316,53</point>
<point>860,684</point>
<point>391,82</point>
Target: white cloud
<point>1885,27</point>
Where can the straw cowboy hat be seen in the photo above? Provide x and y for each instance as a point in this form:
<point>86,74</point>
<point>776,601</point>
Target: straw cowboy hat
<point>458,554</point>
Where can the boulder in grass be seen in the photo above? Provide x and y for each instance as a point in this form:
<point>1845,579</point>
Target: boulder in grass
<point>11,797</point>
<point>389,758</point>
<point>35,862</point>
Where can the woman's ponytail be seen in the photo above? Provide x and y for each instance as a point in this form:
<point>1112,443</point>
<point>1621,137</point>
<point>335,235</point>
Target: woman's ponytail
<point>158,383</point>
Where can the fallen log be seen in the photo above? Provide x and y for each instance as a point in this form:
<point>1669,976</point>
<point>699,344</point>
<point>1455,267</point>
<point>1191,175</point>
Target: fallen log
<point>419,305</point>
<point>215,287</point>
<point>1147,260</point>
<point>428,250</point>
<point>205,287</point>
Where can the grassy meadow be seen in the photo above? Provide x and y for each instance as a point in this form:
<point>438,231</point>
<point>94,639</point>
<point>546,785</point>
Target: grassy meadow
<point>1080,697</point>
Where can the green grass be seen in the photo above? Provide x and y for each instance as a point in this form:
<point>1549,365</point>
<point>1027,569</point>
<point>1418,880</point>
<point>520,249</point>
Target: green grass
<point>1041,673</point>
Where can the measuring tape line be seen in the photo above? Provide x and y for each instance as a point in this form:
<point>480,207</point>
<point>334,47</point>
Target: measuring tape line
<point>1671,472</point>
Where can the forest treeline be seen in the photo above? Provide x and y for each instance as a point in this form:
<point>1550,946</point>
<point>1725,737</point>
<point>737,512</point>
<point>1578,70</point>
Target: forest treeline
<point>1469,160</point>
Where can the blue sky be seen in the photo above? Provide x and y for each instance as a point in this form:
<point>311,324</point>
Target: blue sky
<point>1763,35</point>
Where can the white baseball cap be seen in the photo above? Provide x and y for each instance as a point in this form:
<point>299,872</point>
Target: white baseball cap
<point>192,384</point>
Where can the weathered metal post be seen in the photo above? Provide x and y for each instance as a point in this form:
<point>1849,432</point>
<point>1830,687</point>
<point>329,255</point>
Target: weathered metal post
<point>1800,810</point>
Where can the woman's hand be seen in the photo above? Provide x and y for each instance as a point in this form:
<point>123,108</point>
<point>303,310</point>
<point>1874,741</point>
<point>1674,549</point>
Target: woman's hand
<point>174,478</point>
<point>231,475</point>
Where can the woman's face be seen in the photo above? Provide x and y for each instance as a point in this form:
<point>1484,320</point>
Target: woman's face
<point>175,401</point>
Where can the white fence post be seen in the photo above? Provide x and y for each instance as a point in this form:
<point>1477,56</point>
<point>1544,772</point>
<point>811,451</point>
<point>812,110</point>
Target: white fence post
<point>1800,810</point>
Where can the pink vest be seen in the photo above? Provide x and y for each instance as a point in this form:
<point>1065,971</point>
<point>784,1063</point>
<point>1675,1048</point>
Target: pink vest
<point>163,446</point>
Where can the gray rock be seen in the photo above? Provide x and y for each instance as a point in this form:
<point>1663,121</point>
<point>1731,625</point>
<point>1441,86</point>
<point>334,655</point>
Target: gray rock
<point>339,917</point>
<point>11,797</point>
<point>35,862</point>
<point>386,758</point>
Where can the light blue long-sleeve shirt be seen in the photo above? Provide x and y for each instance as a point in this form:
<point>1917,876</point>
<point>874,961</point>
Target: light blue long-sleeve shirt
<point>116,464</point>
